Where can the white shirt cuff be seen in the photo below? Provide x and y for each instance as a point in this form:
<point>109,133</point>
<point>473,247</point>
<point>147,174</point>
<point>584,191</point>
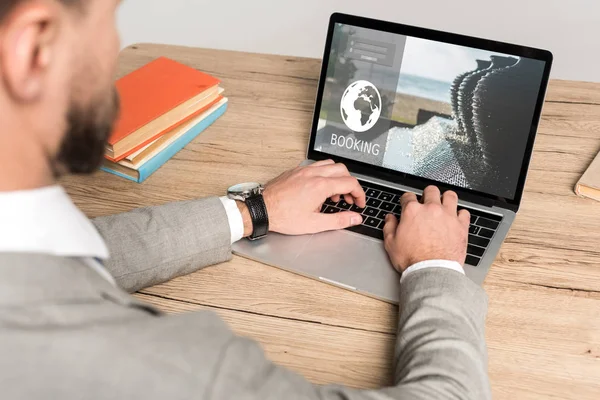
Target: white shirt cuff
<point>453,265</point>
<point>234,216</point>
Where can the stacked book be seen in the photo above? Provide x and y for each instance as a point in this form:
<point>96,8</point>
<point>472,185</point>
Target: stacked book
<point>164,106</point>
<point>589,184</point>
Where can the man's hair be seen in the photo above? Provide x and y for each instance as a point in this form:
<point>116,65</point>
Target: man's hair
<point>6,6</point>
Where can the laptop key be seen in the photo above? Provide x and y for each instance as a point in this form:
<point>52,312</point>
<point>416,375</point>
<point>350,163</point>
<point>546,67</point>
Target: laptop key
<point>396,199</point>
<point>473,218</point>
<point>330,202</point>
<point>381,224</point>
<point>487,223</point>
<point>487,233</point>
<point>387,206</point>
<point>372,193</point>
<point>373,202</point>
<point>472,260</point>
<point>382,214</point>
<point>344,205</point>
<point>331,210</point>
<point>323,207</point>
<point>370,212</point>
<point>397,210</point>
<point>478,241</point>
<point>356,208</point>
<point>475,251</point>
<point>474,230</point>
<point>367,231</point>
<point>386,196</point>
<point>371,221</point>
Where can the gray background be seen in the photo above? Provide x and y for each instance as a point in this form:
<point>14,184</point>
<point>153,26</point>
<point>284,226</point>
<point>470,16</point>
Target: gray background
<point>569,28</point>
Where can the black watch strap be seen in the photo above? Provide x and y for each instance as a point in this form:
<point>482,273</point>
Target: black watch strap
<point>260,220</point>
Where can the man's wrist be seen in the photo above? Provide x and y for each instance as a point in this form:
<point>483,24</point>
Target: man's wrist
<point>248,227</point>
<point>446,264</point>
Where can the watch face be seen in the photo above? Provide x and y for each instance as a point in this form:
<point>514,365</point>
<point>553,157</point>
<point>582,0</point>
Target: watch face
<point>244,188</point>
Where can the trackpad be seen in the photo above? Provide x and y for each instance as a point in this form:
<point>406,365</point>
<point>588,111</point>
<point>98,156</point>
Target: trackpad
<point>341,258</point>
<point>351,261</point>
<point>277,250</point>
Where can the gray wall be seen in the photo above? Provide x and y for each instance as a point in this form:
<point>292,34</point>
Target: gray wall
<point>568,28</point>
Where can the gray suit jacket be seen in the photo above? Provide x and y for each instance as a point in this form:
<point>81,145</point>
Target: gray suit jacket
<point>67,333</point>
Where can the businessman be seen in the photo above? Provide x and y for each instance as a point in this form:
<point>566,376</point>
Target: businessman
<point>68,328</point>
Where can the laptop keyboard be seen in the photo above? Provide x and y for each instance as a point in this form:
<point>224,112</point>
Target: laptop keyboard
<point>382,201</point>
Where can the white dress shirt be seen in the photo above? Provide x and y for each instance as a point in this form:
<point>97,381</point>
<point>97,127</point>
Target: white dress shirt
<point>234,216</point>
<point>45,221</point>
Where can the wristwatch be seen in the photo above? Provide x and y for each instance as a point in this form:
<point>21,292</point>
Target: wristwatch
<point>252,194</point>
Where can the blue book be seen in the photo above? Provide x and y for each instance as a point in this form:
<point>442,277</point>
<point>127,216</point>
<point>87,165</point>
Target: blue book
<point>150,166</point>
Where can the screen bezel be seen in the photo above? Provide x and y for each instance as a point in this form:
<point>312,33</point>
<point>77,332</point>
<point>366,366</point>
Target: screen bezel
<point>451,38</point>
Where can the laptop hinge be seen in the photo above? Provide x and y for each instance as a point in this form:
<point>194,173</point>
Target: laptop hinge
<point>512,207</point>
<point>488,202</point>
<point>478,200</point>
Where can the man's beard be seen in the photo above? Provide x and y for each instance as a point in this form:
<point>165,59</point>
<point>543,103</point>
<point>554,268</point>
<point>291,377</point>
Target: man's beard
<point>88,131</point>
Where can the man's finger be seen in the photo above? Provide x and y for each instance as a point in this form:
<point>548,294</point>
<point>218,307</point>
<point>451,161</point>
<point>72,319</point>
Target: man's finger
<point>431,195</point>
<point>331,222</point>
<point>330,170</point>
<point>450,201</point>
<point>348,198</point>
<point>321,163</point>
<point>464,217</point>
<point>407,198</point>
<point>389,229</point>
<point>347,185</point>
<point>335,198</point>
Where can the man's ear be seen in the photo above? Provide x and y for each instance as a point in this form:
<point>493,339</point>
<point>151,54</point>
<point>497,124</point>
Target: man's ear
<point>27,46</point>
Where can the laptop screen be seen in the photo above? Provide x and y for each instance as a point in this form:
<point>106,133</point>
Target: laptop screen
<point>456,115</point>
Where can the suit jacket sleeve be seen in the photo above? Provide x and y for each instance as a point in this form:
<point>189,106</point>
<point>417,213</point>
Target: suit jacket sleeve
<point>441,350</point>
<point>152,245</point>
<point>440,354</point>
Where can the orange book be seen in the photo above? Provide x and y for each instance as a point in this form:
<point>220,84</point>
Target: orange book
<point>142,155</point>
<point>156,99</point>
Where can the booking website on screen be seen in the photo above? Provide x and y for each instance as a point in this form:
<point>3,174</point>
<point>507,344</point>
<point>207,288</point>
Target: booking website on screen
<point>453,114</point>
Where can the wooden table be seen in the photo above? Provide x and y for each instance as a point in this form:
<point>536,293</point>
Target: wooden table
<point>543,329</point>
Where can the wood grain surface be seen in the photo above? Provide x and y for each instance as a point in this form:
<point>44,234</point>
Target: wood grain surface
<point>543,329</point>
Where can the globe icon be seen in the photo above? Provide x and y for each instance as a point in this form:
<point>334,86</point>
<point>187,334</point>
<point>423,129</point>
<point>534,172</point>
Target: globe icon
<point>361,106</point>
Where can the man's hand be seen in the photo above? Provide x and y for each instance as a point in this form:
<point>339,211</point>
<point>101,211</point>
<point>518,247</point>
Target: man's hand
<point>294,199</point>
<point>429,231</point>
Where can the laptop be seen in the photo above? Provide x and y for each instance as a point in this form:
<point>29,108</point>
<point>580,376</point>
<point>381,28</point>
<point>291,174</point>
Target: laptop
<point>403,108</point>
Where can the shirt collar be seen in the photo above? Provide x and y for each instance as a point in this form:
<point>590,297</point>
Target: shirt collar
<point>45,221</point>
